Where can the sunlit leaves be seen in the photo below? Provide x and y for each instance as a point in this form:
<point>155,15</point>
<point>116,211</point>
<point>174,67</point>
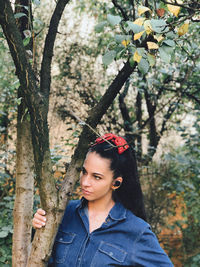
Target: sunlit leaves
<point>148,27</point>
<point>138,35</point>
<point>137,57</point>
<point>159,38</point>
<point>183,29</point>
<point>154,30</point>
<point>142,9</point>
<point>139,21</point>
<point>125,43</point>
<point>175,10</point>
<point>152,45</point>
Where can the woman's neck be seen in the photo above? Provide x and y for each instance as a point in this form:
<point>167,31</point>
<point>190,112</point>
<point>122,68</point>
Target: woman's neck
<point>99,206</point>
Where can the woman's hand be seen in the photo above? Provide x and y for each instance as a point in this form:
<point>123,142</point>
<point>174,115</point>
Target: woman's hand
<point>39,219</point>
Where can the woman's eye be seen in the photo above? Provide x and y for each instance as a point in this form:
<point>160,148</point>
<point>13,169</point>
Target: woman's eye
<point>97,177</point>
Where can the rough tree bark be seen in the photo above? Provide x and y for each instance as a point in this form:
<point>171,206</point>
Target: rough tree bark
<point>22,213</point>
<point>37,102</point>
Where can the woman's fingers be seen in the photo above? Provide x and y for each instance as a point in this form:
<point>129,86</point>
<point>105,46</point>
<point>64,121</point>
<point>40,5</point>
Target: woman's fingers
<point>39,219</point>
<point>41,212</point>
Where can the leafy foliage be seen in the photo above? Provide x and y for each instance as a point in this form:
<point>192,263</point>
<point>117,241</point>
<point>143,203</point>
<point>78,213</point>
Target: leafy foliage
<point>155,28</point>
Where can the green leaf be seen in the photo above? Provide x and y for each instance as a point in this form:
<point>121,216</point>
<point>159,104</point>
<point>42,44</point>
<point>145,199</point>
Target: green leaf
<point>26,41</point>
<point>19,15</point>
<point>165,53</point>
<point>119,38</point>
<point>18,100</point>
<point>169,42</point>
<point>109,57</point>
<point>113,20</point>
<point>131,61</point>
<point>171,35</point>
<point>159,25</point>
<point>143,66</point>
<point>134,27</point>
<point>151,59</point>
<point>141,51</point>
<point>3,234</point>
<point>100,26</point>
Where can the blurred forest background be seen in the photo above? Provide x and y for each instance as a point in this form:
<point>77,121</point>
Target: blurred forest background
<point>157,109</point>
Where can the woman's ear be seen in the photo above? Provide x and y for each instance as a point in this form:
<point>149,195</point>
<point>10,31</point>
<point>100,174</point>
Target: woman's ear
<point>117,183</point>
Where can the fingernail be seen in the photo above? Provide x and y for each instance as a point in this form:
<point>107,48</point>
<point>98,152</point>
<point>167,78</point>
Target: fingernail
<point>45,219</point>
<point>43,223</point>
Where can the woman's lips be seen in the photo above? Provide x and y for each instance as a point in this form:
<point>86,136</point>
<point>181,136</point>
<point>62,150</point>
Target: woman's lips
<point>85,192</point>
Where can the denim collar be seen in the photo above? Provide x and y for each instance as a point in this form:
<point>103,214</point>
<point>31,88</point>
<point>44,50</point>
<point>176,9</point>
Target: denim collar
<point>117,213</point>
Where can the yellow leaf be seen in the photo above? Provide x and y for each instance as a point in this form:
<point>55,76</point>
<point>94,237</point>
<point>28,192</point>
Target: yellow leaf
<point>137,57</point>
<point>183,29</point>
<point>148,27</point>
<point>138,35</point>
<point>152,45</point>
<point>142,9</point>
<point>139,21</point>
<point>159,38</point>
<point>175,10</point>
<point>125,43</point>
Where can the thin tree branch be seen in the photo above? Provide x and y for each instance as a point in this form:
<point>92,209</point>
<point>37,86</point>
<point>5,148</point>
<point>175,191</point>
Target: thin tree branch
<point>87,135</point>
<point>124,15</point>
<point>184,6</point>
<point>45,81</point>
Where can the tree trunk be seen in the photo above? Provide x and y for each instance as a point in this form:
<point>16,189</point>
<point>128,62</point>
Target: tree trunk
<point>22,213</point>
<point>23,206</point>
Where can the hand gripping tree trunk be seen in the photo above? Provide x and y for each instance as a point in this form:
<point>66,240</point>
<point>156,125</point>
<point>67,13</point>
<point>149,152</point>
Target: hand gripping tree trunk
<point>37,102</point>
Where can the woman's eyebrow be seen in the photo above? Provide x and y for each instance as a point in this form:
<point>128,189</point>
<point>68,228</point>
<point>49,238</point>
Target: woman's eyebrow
<point>96,173</point>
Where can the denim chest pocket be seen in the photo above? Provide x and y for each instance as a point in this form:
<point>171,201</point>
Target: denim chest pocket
<point>108,255</point>
<point>62,246</point>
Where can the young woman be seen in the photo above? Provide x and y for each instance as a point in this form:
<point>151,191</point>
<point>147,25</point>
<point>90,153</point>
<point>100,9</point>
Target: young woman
<point>107,226</point>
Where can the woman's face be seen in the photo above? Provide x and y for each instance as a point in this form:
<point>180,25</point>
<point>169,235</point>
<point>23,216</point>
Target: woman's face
<point>96,178</point>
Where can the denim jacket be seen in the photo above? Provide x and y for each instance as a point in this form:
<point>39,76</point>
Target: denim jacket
<point>122,240</point>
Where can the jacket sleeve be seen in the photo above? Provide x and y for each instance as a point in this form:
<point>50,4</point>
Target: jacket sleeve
<point>148,252</point>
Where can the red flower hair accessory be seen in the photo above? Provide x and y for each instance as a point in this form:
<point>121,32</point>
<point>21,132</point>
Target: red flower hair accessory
<point>117,140</point>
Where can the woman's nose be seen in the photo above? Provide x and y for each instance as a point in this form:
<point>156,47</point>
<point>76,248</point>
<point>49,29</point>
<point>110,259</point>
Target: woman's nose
<point>85,180</point>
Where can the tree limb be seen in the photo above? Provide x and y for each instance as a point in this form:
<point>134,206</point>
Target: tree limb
<point>87,136</point>
<point>45,81</point>
<point>124,15</point>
